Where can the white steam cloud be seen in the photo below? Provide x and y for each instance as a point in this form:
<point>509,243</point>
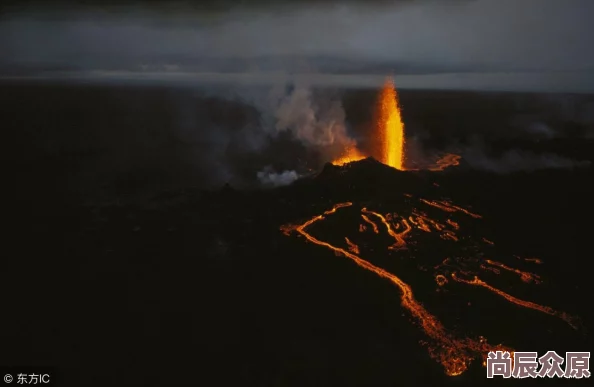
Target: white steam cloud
<point>269,178</point>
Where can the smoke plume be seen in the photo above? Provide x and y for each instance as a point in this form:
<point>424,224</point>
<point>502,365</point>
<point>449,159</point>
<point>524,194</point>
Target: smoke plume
<point>320,124</point>
<point>281,128</point>
<point>317,122</point>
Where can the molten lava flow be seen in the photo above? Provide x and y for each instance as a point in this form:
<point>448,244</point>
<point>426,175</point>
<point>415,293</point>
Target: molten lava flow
<point>365,218</point>
<point>449,207</point>
<point>454,354</point>
<point>455,225</point>
<point>526,304</point>
<point>353,248</point>
<point>419,223</point>
<point>390,128</point>
<point>398,236</point>
<point>525,276</point>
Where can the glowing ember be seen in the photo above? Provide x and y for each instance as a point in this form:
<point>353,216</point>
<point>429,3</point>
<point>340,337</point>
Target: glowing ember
<point>390,128</point>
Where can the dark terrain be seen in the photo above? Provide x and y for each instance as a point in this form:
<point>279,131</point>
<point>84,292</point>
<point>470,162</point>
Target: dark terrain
<point>190,285</point>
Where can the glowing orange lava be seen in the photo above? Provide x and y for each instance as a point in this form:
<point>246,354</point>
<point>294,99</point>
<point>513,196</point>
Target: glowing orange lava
<point>390,133</point>
<point>524,276</point>
<point>572,321</point>
<point>369,221</point>
<point>398,236</point>
<point>390,128</point>
<point>455,353</point>
<point>389,137</point>
<point>448,207</point>
<point>353,248</point>
<point>350,155</point>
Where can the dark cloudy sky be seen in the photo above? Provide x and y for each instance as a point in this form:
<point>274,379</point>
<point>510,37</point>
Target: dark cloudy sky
<point>489,44</point>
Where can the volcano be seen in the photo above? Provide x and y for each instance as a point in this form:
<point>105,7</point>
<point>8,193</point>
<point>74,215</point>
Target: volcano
<point>361,274</point>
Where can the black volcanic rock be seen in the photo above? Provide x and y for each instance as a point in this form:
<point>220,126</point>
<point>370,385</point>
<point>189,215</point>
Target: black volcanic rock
<point>329,170</point>
<point>368,167</point>
<point>370,178</point>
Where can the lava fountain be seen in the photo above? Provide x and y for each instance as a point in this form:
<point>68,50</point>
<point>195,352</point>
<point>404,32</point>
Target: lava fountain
<point>389,142</point>
<point>390,128</point>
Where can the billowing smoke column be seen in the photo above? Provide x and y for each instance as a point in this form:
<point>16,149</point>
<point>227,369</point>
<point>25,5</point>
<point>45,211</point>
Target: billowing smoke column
<point>319,125</point>
<point>315,126</point>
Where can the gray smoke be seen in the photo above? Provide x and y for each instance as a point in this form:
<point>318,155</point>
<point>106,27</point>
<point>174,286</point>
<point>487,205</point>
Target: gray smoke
<point>314,120</point>
<point>317,122</point>
<point>309,124</point>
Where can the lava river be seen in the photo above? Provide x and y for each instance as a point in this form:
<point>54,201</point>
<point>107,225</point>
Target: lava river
<point>399,233</point>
